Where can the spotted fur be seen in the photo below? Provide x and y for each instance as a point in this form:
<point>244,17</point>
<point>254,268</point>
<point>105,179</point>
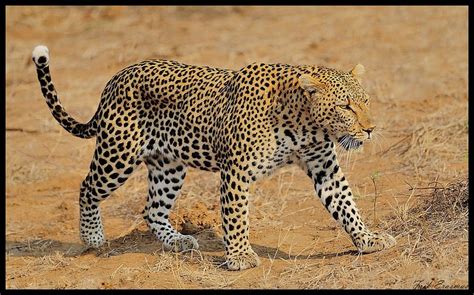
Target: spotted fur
<point>243,124</point>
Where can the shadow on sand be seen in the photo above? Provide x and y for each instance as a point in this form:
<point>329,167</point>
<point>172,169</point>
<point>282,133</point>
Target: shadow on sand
<point>138,241</point>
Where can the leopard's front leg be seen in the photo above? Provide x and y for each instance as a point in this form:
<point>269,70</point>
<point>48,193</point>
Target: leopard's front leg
<point>235,221</point>
<point>336,195</point>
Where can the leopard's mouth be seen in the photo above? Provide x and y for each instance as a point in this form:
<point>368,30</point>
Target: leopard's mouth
<point>349,142</point>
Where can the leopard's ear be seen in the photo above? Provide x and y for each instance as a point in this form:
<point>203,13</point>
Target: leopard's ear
<point>310,84</point>
<point>358,71</point>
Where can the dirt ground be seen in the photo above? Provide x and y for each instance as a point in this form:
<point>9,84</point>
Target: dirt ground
<point>416,72</point>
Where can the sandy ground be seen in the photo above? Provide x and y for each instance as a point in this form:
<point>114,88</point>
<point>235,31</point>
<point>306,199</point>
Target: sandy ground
<point>416,63</point>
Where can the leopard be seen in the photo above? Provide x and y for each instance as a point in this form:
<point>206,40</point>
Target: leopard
<point>242,124</point>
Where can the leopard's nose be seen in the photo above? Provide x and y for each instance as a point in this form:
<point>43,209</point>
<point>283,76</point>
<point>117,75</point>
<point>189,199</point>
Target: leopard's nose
<point>369,131</point>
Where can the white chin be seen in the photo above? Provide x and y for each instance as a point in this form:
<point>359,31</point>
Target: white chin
<point>349,143</point>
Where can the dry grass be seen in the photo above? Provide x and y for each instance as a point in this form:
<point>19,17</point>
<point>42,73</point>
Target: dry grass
<point>438,218</point>
<point>431,226</point>
<point>431,232</point>
<point>429,148</point>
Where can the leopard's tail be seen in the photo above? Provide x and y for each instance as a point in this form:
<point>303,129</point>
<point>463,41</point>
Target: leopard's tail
<point>41,60</point>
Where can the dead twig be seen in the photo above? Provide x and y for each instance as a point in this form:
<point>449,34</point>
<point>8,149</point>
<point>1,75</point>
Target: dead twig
<point>21,130</point>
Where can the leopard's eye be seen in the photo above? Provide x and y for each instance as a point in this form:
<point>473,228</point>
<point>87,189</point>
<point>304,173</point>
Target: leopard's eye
<point>345,106</point>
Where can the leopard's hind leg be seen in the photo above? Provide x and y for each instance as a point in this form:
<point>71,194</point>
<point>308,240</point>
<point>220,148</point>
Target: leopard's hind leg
<point>109,169</point>
<point>165,179</point>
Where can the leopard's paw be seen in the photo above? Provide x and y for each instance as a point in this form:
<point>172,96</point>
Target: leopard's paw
<point>181,243</point>
<point>373,242</point>
<point>244,260</point>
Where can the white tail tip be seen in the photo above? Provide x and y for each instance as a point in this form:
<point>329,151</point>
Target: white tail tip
<point>41,55</point>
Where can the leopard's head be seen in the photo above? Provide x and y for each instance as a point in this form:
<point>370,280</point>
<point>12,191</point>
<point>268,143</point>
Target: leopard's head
<point>339,104</point>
